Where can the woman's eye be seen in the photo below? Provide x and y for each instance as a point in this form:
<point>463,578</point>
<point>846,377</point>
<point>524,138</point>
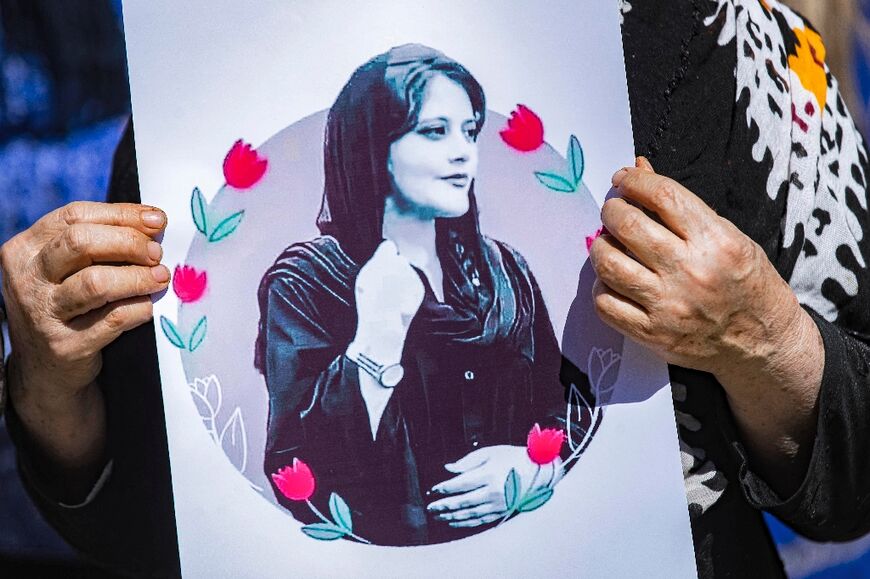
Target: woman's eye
<point>472,133</point>
<point>433,132</point>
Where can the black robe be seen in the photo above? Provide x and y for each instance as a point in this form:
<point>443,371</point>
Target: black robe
<point>475,376</point>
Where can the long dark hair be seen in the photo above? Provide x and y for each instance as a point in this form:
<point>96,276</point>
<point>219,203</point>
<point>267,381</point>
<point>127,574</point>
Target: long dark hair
<point>379,104</point>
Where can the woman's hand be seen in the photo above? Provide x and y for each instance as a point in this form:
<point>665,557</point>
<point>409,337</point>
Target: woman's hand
<point>692,287</point>
<point>477,492</point>
<point>388,294</point>
<point>73,283</point>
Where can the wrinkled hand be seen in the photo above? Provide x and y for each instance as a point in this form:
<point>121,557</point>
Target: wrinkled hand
<point>73,282</point>
<point>685,282</point>
<point>477,492</point>
<point>388,294</point>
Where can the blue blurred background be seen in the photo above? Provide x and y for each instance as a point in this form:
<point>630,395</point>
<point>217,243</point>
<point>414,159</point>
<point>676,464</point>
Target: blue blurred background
<point>64,101</point>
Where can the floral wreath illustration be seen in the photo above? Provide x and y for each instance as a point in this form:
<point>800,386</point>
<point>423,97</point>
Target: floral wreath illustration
<point>243,168</point>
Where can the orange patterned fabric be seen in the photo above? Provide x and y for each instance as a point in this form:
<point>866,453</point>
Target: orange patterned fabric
<point>809,63</point>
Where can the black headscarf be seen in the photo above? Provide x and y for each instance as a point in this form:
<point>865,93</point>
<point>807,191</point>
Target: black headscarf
<point>487,287</point>
<point>378,105</point>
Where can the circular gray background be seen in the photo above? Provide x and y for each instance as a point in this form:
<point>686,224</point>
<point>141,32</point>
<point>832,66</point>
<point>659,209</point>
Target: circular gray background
<point>548,228</point>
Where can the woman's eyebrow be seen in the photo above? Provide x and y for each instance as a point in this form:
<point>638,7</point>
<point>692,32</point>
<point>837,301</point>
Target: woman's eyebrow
<point>433,119</point>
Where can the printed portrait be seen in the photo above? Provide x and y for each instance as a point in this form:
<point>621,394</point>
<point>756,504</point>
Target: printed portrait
<point>379,354</point>
<point>410,387</point>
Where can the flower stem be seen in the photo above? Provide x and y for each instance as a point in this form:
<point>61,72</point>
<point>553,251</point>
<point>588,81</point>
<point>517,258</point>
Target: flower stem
<point>534,480</point>
<point>328,522</point>
<point>318,513</point>
<point>519,501</point>
<point>552,475</point>
<point>582,446</point>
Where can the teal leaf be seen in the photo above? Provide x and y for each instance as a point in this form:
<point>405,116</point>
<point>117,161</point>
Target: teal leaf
<point>555,182</point>
<point>576,160</point>
<point>323,531</point>
<point>198,210</point>
<point>535,500</point>
<point>226,227</point>
<point>171,332</point>
<point>340,512</point>
<point>511,489</point>
<point>198,334</point>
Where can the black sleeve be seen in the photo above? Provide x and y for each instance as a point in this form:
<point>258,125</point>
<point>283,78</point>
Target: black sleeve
<point>128,526</point>
<point>832,502</point>
<point>316,411</point>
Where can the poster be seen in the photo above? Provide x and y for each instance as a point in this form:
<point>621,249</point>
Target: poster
<point>378,354</point>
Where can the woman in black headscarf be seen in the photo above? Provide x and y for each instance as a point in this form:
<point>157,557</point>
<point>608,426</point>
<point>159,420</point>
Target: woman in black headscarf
<point>406,355</point>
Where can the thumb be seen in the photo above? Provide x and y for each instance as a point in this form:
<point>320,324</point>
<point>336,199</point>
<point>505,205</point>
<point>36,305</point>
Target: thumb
<point>468,462</point>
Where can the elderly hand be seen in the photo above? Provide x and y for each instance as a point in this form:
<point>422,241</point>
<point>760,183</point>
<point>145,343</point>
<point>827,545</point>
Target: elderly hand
<point>73,282</point>
<point>679,279</point>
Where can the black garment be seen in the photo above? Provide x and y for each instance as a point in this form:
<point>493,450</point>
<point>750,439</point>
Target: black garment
<point>130,525</point>
<point>688,117</point>
<point>473,379</point>
<point>694,116</point>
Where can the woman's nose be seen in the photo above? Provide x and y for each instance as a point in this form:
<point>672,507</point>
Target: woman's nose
<point>461,149</point>
<point>459,158</point>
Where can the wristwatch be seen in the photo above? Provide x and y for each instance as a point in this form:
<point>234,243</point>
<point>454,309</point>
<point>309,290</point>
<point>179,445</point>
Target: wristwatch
<point>387,376</point>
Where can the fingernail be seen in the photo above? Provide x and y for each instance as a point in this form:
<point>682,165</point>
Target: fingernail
<point>153,219</point>
<point>160,273</point>
<point>155,252</point>
<point>619,176</point>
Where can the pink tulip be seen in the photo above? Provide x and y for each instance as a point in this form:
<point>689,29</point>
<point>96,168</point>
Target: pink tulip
<point>544,445</point>
<point>243,166</point>
<point>524,131</point>
<point>590,239</point>
<point>295,482</point>
<point>188,283</point>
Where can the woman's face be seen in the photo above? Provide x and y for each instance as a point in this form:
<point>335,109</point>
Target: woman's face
<point>433,166</point>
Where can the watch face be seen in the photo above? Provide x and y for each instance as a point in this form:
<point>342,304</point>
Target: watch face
<point>392,375</point>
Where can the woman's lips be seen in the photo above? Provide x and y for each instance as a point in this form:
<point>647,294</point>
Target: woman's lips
<point>459,180</point>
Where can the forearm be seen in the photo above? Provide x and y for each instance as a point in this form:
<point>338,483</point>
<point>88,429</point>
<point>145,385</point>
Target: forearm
<point>66,434</point>
<point>773,395</point>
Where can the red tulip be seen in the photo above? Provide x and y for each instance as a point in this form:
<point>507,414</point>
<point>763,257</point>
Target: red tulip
<point>545,445</point>
<point>590,239</point>
<point>188,284</point>
<point>524,131</point>
<point>243,166</point>
<point>295,482</point>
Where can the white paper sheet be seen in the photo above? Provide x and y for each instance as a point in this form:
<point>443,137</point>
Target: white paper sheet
<point>205,73</point>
